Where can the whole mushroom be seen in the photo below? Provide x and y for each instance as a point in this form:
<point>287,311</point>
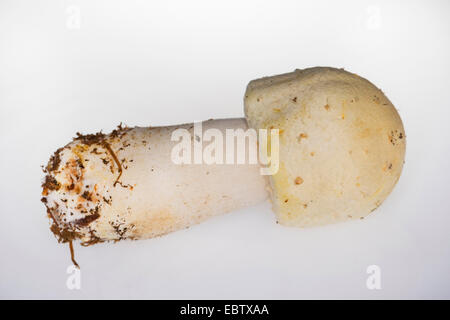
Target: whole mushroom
<point>341,151</point>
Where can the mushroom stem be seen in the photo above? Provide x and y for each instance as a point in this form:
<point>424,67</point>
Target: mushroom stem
<point>138,183</point>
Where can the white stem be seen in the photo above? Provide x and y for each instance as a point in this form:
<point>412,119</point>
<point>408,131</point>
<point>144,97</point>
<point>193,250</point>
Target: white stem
<point>154,195</point>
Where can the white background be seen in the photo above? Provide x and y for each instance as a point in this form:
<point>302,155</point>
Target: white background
<point>168,62</point>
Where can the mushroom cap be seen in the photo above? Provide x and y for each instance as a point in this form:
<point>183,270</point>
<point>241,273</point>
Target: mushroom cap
<point>341,144</point>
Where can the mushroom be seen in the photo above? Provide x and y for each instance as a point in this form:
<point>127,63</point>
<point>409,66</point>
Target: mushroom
<point>340,151</point>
